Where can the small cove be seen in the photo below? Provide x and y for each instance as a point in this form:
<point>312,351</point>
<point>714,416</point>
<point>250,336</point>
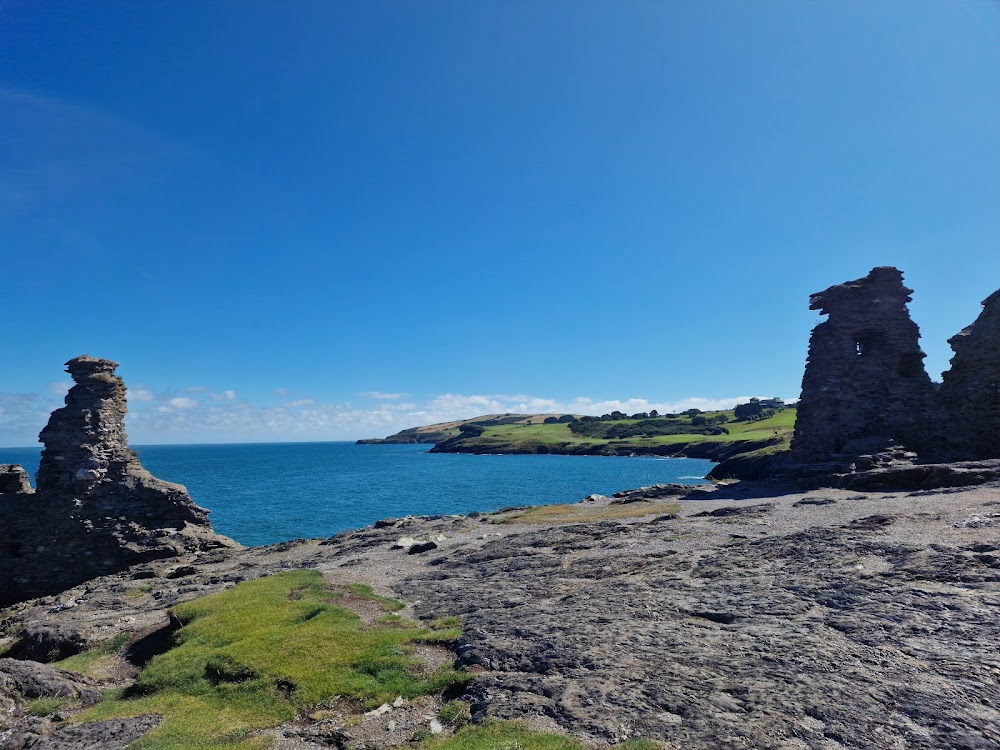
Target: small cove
<point>263,493</point>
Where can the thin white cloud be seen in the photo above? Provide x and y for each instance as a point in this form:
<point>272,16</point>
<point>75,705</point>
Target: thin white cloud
<point>382,396</point>
<point>281,391</point>
<point>186,416</point>
<point>59,387</point>
<point>22,416</point>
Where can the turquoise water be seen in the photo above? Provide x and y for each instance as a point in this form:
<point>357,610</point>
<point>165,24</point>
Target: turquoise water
<point>266,493</point>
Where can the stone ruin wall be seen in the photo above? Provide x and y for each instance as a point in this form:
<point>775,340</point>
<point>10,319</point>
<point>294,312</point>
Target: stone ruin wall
<point>96,510</point>
<point>970,391</point>
<point>865,388</point>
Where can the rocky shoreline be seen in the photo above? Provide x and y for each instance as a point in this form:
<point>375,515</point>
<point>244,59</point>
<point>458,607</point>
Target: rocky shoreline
<point>717,451</point>
<point>749,616</point>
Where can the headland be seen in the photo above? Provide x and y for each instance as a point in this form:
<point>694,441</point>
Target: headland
<point>714,435</point>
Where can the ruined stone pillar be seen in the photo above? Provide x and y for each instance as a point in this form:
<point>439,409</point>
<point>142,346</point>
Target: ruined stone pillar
<point>96,510</point>
<point>970,393</point>
<point>85,440</point>
<point>864,384</point>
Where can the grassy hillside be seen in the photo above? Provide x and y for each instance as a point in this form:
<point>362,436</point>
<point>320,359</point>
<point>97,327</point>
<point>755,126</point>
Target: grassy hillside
<point>662,436</point>
<point>438,433</point>
<point>744,449</point>
<point>782,423</point>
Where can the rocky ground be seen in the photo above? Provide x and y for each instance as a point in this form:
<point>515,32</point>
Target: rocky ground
<point>748,616</point>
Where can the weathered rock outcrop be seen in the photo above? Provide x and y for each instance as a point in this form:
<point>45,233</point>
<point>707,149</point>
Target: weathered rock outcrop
<point>25,726</point>
<point>96,510</point>
<point>970,393</point>
<point>722,619</point>
<point>13,479</point>
<point>865,385</point>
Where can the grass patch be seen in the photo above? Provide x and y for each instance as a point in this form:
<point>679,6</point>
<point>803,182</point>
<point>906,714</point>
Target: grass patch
<point>362,591</point>
<point>98,661</point>
<point>262,652</point>
<point>48,706</point>
<point>539,433</point>
<point>455,713</point>
<point>138,592</point>
<point>396,621</point>
<point>578,513</point>
<point>501,735</point>
<point>448,621</point>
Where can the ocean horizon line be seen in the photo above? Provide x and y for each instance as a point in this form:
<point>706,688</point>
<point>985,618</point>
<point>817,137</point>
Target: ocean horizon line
<point>192,445</point>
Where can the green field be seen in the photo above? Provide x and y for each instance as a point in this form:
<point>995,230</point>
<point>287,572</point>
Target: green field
<point>777,428</point>
<point>268,650</point>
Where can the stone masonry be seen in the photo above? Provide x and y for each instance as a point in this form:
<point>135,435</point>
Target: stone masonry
<point>96,509</point>
<point>970,393</point>
<point>864,383</point>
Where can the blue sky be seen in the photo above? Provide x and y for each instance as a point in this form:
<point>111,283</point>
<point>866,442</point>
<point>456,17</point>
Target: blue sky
<point>312,220</point>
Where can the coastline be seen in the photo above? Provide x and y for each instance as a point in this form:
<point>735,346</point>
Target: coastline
<point>726,602</point>
<point>750,449</point>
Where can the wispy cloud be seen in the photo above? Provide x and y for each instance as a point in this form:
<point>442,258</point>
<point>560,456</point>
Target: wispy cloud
<point>22,415</point>
<point>310,419</point>
<point>195,414</point>
<point>381,396</point>
<point>59,387</point>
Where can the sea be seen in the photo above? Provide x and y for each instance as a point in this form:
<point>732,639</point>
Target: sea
<point>263,493</point>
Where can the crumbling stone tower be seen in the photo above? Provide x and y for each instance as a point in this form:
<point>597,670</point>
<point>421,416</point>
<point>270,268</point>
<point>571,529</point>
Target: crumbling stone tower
<point>96,510</point>
<point>85,441</point>
<point>864,382</point>
<point>970,393</point>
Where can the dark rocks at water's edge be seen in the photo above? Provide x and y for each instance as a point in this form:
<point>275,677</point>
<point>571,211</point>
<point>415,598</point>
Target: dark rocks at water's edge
<point>392,440</point>
<point>14,480</point>
<point>707,449</point>
<point>96,510</point>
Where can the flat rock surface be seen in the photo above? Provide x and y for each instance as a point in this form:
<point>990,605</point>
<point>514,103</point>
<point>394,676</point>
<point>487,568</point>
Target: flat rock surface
<point>752,617</point>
